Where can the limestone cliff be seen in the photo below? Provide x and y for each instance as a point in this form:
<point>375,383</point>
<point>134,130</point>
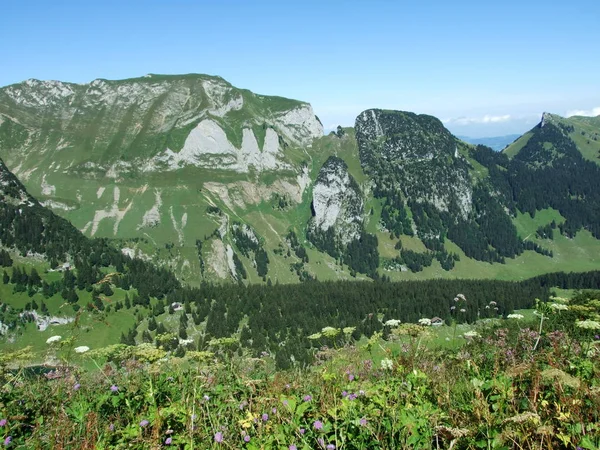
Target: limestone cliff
<point>337,202</point>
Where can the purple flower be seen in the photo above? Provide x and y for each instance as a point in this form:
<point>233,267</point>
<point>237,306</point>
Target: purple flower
<point>307,398</point>
<point>363,422</point>
<point>114,388</point>
<point>361,392</point>
<point>111,427</point>
<point>318,425</point>
<point>243,404</point>
<point>7,441</point>
<point>219,437</point>
<point>76,387</point>
<point>344,394</point>
<point>168,441</point>
<point>144,423</point>
<point>321,442</point>
<point>351,377</point>
<point>292,447</point>
<point>206,398</point>
<point>247,438</point>
<point>265,417</point>
<point>597,337</point>
<point>302,431</point>
<point>352,397</point>
<point>330,447</point>
<point>287,386</point>
<point>2,422</point>
<point>274,411</point>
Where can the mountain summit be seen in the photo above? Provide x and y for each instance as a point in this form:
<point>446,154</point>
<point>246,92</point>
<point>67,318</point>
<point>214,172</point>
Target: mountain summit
<point>154,123</point>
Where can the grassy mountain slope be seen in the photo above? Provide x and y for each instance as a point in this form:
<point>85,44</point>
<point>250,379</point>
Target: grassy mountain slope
<point>584,131</point>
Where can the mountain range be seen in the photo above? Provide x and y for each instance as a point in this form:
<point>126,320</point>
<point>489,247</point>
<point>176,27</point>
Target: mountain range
<point>217,183</point>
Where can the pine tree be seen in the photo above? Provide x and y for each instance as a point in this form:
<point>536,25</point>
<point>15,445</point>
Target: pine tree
<point>182,332</point>
<point>160,329</point>
<point>146,337</point>
<point>5,278</point>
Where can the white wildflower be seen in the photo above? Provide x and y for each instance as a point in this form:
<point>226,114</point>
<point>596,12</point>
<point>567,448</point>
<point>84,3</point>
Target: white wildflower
<point>81,349</point>
<point>330,332</point>
<point>315,336</point>
<point>348,330</point>
<point>463,310</point>
<point>559,306</point>
<point>471,334</point>
<point>515,316</point>
<point>392,323</point>
<point>387,364</point>
<point>53,339</point>
<point>588,324</point>
<point>462,297</point>
<point>425,322</point>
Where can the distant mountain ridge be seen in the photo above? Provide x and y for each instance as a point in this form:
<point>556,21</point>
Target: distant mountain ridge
<point>218,183</point>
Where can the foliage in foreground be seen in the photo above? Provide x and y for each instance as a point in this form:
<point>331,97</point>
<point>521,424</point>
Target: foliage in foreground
<point>509,383</point>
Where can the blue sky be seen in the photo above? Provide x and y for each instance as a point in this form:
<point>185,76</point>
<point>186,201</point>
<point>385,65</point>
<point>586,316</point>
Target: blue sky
<point>485,68</point>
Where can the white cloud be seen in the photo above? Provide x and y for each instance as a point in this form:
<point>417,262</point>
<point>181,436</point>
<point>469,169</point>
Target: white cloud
<point>473,120</point>
<point>581,112</point>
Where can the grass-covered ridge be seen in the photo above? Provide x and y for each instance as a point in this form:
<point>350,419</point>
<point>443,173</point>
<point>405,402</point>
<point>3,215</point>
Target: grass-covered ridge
<point>526,380</point>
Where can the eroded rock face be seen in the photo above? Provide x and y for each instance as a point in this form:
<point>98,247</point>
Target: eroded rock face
<point>337,202</point>
<point>153,123</point>
<point>415,154</point>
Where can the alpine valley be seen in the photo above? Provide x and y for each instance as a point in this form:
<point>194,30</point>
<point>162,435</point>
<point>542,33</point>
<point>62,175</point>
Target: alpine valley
<point>217,183</point>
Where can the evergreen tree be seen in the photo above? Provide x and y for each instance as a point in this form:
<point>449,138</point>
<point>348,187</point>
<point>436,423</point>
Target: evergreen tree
<point>182,332</point>
<point>146,337</point>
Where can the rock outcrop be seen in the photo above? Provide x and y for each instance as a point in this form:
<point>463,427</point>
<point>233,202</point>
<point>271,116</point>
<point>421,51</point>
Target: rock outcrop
<point>337,202</point>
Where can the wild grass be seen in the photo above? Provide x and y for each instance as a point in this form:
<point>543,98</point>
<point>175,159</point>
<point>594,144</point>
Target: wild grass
<point>506,383</point>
